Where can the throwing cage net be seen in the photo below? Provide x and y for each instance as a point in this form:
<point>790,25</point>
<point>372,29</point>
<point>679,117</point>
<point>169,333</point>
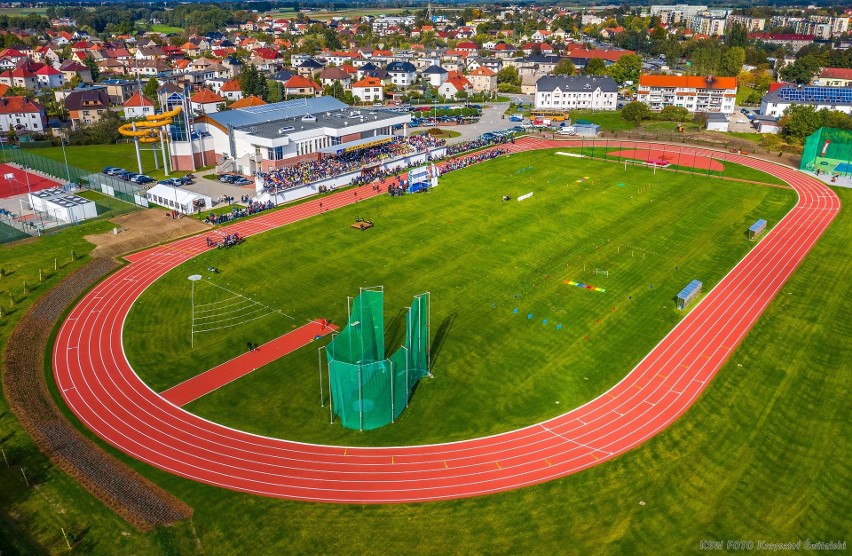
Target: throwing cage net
<point>828,150</point>
<point>369,390</point>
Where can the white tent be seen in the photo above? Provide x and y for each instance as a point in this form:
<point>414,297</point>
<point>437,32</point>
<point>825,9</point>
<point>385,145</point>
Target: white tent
<point>181,200</point>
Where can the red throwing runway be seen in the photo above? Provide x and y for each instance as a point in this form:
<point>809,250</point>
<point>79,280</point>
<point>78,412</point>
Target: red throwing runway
<point>100,387</point>
<point>673,155</point>
<point>238,367</point>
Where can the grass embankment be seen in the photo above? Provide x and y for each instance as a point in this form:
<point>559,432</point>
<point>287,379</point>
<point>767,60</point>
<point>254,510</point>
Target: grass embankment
<point>516,255</point>
<point>761,455</point>
<point>31,518</point>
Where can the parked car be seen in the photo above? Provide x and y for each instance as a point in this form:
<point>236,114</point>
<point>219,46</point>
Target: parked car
<point>569,130</point>
<point>516,118</point>
<point>241,181</point>
<point>378,104</point>
<point>114,171</point>
<point>125,175</point>
<point>227,178</point>
<point>744,111</point>
<point>170,181</point>
<point>142,179</point>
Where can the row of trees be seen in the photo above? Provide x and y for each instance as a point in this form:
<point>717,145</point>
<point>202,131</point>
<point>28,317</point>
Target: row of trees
<point>801,120</point>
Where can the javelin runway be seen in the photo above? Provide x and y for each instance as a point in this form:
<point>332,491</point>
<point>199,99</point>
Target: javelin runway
<point>101,388</point>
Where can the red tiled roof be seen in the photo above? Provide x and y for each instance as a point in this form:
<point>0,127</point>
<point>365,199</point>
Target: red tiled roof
<point>138,101</point>
<point>18,105</point>
<point>837,73</point>
<point>688,81</point>
<point>231,85</point>
<point>248,101</point>
<point>368,82</point>
<point>206,96</point>
<point>299,82</point>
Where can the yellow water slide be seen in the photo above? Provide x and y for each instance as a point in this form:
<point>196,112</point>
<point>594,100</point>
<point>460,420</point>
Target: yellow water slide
<point>148,131</point>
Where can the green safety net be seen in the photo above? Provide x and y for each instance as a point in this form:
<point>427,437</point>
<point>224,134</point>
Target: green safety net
<point>828,150</point>
<point>368,390</point>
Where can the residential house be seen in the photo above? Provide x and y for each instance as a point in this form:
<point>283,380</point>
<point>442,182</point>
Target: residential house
<point>231,90</point>
<point>119,90</point>
<point>137,107</point>
<point>206,101</point>
<point>301,86</point>
<point>369,89</point>
<point>333,74</point>
<point>308,67</point>
<point>436,75</point>
<point>402,74</point>
<point>576,92</point>
<point>834,77</point>
<point>21,113</point>
<point>49,77</point>
<point>70,69</point>
<point>87,106</point>
<point>455,84</point>
<point>483,80</point>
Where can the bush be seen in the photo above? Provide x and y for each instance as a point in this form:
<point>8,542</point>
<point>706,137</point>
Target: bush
<point>674,114</point>
<point>636,112</point>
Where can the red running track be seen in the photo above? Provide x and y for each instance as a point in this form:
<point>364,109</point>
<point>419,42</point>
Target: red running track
<point>99,385</point>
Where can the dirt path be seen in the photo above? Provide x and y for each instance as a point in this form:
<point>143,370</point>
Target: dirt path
<point>142,229</point>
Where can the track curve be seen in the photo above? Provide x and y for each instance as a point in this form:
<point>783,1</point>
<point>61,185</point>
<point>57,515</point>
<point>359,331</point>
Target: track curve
<point>101,388</point>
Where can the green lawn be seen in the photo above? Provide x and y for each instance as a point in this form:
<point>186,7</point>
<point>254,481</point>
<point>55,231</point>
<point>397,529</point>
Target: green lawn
<point>516,255</point>
<point>607,119</point>
<point>761,455</point>
<point>743,92</point>
<point>95,157</point>
<point>109,207</point>
<point>159,28</point>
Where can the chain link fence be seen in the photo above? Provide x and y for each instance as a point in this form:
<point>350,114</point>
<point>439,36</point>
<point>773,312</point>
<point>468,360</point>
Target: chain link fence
<point>112,194</point>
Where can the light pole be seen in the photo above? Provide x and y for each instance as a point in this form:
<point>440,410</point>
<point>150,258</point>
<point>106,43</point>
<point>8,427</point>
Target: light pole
<point>65,156</point>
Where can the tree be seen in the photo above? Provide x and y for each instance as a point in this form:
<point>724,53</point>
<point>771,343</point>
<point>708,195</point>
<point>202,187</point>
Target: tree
<point>675,114</point>
<point>252,82</point>
<point>509,75</point>
<point>737,35</point>
<point>564,67</point>
<point>800,71</point>
<point>636,112</point>
<point>90,63</point>
<point>627,68</point>
<point>595,66</point>
<point>800,120</point>
<point>731,61</point>
<point>150,90</point>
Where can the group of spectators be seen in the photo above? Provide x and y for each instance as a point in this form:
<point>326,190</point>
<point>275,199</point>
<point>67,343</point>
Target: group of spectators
<point>228,241</point>
<point>238,212</point>
<point>478,143</point>
<point>329,167</point>
<point>460,163</point>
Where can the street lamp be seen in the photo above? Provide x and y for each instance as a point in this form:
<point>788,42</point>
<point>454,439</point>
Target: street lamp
<point>67,169</point>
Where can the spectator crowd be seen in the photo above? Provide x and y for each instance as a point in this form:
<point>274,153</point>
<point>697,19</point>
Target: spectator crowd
<point>328,167</point>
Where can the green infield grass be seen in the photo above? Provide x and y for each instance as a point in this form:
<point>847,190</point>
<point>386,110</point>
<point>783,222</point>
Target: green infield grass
<point>761,455</point>
<point>481,258</point>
